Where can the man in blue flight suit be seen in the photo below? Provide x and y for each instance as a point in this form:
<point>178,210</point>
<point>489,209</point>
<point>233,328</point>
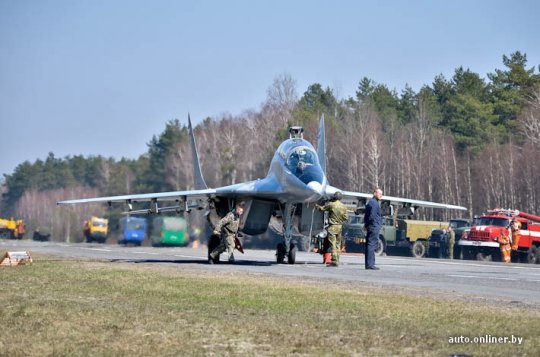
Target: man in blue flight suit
<point>373,224</point>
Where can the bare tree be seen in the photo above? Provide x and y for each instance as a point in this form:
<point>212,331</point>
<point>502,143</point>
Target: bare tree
<point>530,118</point>
<point>282,97</point>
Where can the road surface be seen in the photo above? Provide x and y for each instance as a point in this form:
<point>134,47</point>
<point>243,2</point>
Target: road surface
<point>514,284</point>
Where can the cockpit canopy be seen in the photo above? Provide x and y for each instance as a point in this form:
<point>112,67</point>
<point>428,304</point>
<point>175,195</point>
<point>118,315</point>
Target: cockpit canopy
<point>304,164</point>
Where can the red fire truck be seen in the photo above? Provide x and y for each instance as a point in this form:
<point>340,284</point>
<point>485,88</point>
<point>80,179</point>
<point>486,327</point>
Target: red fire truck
<point>481,242</point>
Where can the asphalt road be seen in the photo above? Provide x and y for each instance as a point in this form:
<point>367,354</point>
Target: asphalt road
<point>517,284</point>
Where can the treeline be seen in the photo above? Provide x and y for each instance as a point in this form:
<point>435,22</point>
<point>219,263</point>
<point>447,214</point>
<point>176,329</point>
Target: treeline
<point>463,140</point>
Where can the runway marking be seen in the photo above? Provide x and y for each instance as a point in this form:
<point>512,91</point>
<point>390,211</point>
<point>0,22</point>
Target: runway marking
<point>490,278</point>
<point>460,263</point>
<point>188,256</point>
<point>98,249</point>
<point>480,277</point>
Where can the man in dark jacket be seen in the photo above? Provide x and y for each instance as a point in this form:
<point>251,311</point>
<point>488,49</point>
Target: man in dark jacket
<point>373,224</point>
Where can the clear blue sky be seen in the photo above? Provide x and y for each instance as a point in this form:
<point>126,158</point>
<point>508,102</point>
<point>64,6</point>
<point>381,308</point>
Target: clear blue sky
<point>102,76</point>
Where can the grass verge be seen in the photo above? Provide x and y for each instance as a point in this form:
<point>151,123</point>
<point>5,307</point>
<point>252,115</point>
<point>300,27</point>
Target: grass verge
<point>98,308</point>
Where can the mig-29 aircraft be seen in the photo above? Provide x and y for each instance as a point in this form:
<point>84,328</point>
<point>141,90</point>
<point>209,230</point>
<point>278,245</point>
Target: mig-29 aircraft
<point>295,181</point>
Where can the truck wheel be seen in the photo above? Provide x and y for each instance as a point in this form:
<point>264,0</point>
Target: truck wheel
<point>532,255</point>
<point>418,249</point>
<point>467,254</point>
<point>537,256</point>
<point>483,257</point>
<point>380,247</point>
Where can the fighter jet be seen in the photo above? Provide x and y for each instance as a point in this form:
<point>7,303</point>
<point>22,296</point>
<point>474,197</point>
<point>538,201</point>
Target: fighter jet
<point>296,180</point>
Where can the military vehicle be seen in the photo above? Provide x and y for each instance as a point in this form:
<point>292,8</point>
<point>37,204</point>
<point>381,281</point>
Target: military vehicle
<point>354,235</point>
<point>397,235</point>
<point>437,235</point>
<point>409,236</point>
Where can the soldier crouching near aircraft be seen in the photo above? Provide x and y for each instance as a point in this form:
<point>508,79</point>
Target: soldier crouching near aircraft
<point>227,228</point>
<point>337,215</point>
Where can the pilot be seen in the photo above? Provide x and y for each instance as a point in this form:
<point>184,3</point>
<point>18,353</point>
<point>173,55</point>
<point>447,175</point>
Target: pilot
<point>337,215</point>
<point>300,168</point>
<point>227,228</point>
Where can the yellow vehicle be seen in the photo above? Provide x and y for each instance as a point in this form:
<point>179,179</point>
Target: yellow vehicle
<point>11,228</point>
<point>96,229</point>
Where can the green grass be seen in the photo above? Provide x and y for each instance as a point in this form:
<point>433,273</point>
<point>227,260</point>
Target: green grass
<point>98,308</point>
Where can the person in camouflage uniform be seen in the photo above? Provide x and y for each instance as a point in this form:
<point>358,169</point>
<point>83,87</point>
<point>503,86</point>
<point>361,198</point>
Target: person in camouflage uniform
<point>451,242</point>
<point>227,228</point>
<point>337,215</point>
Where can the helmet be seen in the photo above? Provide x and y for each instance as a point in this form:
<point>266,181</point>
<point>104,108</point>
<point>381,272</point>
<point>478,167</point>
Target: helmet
<point>338,195</point>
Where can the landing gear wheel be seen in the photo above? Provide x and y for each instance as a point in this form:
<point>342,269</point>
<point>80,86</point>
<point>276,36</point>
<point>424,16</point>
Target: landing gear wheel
<point>213,242</point>
<point>280,253</point>
<point>380,247</point>
<point>533,255</point>
<point>291,258</point>
<point>418,249</point>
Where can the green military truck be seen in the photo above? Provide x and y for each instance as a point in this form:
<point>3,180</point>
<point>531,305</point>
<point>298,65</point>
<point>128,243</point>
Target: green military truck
<point>397,235</point>
<point>407,235</point>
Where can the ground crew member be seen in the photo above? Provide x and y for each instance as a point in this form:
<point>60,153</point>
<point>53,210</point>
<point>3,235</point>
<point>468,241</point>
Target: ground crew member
<point>504,245</point>
<point>451,242</point>
<point>515,227</point>
<point>444,244</point>
<point>337,215</point>
<point>227,228</point>
<point>373,224</point>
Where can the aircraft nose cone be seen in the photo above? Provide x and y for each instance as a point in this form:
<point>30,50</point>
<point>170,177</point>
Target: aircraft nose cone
<point>315,186</point>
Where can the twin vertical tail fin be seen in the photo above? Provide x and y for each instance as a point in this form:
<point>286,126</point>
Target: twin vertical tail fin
<point>321,148</point>
<point>200,184</point>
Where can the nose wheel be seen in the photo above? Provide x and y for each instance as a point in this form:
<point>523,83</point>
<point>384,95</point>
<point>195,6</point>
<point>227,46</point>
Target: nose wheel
<point>281,254</point>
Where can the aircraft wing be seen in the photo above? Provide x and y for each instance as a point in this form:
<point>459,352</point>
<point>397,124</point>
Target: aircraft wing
<point>264,188</point>
<point>407,201</point>
<point>145,197</point>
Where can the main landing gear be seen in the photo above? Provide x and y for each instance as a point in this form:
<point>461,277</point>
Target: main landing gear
<point>287,249</point>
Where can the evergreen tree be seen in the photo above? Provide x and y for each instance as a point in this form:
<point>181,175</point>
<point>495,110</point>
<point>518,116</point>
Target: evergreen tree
<point>159,149</point>
<point>510,89</point>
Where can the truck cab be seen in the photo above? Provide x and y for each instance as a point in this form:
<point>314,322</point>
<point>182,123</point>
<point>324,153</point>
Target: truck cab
<point>459,225</point>
<point>96,229</point>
